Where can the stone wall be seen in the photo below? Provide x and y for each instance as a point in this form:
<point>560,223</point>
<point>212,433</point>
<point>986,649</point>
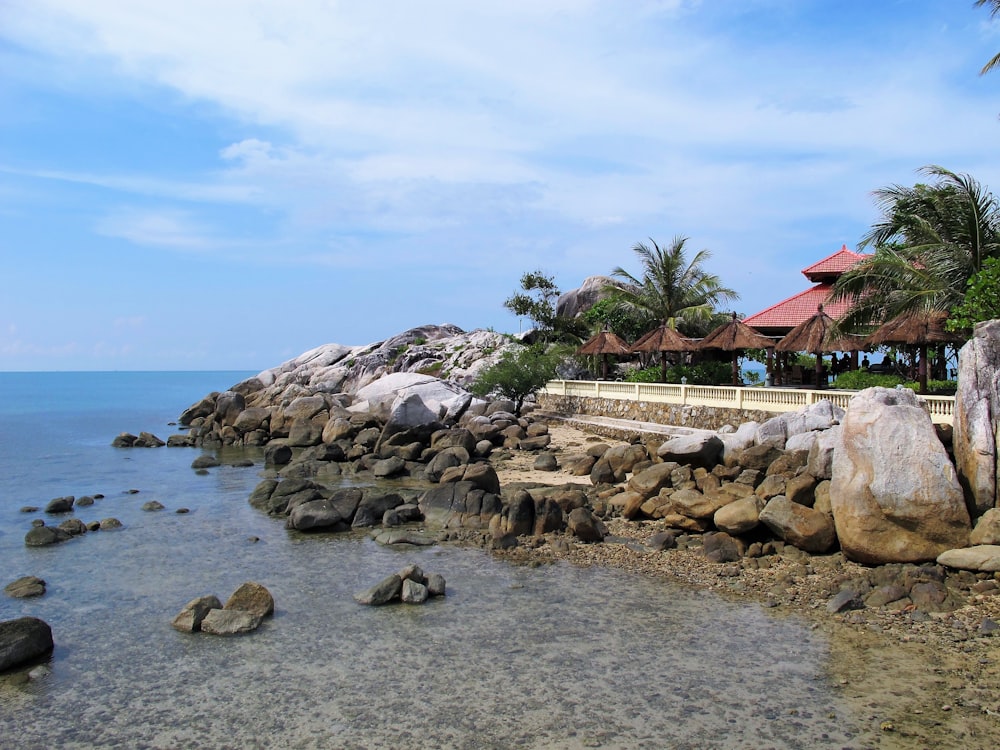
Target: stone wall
<point>696,417</point>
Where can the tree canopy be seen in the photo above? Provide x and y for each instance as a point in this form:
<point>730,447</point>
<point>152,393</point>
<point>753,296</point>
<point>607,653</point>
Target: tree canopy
<point>537,302</point>
<point>670,289</point>
<point>518,374</point>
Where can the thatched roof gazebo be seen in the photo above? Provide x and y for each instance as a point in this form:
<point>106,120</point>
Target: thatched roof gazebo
<point>605,343</point>
<point>663,339</point>
<point>816,335</point>
<point>919,329</point>
<point>734,337</point>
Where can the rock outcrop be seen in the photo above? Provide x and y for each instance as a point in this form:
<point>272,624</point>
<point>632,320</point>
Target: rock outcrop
<point>23,640</point>
<point>883,513</point>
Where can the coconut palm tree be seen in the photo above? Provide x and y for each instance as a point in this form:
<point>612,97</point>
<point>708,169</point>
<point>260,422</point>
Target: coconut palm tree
<point>994,6</point>
<point>930,241</point>
<point>671,290</point>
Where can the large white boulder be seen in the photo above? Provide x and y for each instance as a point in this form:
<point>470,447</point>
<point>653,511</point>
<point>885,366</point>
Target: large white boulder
<point>895,494</point>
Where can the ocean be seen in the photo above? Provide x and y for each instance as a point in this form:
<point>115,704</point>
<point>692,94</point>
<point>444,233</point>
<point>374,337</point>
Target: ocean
<point>549,657</point>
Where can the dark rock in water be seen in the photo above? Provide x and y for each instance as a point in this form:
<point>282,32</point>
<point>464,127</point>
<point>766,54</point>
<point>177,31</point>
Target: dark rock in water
<point>25,587</point>
<point>153,505</point>
<point>60,504</point>
<point>124,440</point>
<point>251,597</point>
<point>85,501</point>
<point>382,592</point>
<point>230,622</point>
<point>73,527</point>
<point>206,461</point>
<point>182,510</point>
<point>373,507</point>
<point>110,524</point>
<point>277,454</point>
<point>405,513</point>
<point>436,584</point>
<point>148,440</point>
<point>389,467</point>
<point>35,522</point>
<point>23,640</point>
<point>390,537</point>
<point>189,619</point>
<point>413,592</point>
<point>41,536</point>
<point>315,514</point>
<point>180,441</point>
<point>29,509</point>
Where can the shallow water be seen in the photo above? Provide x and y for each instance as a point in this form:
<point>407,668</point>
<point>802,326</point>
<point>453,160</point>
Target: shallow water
<point>555,656</point>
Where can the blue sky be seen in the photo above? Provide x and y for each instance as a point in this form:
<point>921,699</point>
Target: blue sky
<point>226,184</point>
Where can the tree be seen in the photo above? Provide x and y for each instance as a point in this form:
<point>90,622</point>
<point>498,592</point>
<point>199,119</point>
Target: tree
<point>930,240</point>
<point>982,298</point>
<point>994,6</point>
<point>518,374</point>
<point>671,290</point>
<point>537,302</point>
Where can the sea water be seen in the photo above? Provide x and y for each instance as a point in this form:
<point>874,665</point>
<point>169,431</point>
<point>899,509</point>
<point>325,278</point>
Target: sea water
<point>549,657</point>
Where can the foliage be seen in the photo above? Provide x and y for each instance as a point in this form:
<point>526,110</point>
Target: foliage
<point>994,6</point>
<point>982,298</point>
<point>704,373</point>
<point>936,387</point>
<point>858,380</point>
<point>537,302</point>
<point>751,376</point>
<point>518,374</point>
<point>930,241</point>
<point>671,290</point>
<point>611,313</point>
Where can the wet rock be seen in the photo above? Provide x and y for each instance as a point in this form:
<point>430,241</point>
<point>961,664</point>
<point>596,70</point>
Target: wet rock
<point>251,597</point>
<point>315,514</point>
<point>73,527</point>
<point>22,640</point>
<point>206,461</point>
<point>42,536</point>
<point>389,467</point>
<point>124,440</point>
<point>230,622</point>
<point>277,453</point>
<point>153,505</point>
<point>25,587</point>
<point>373,506</point>
<point>413,592</point>
<point>383,592</point>
<point>110,524</point>
<point>60,505</point>
<point>189,619</point>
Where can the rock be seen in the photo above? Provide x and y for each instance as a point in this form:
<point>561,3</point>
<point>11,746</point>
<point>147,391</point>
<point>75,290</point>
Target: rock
<point>537,443</point>
<point>22,640</point>
<point>448,457</point>
<point>148,440</point>
<point>759,457</point>
<point>885,515</point>
<point>802,442</point>
<point>41,536</point>
<point>788,463</point>
<point>124,440</point>
<point>820,461</point>
<point>316,514</point>
<point>987,529</point>
<point>546,462</point>
<point>228,406</point>
<point>803,527</point>
<point>110,524</point>
<point>734,443</point>
<point>694,504</point>
<point>189,619</point>
<point>25,587</point>
<point>933,596</point>
<point>304,433</point>
<point>436,584</point>
<point>844,601</point>
<point>483,476</point>
<point>383,592</point>
<point>703,450</point>
<point>982,557</point>
<point>977,417</point>
<point>277,453</point>
<point>152,506</point>
<point>389,467</point>
<point>577,301</point>
<point>373,506</point>
<point>800,489</point>
<point>413,592</point>
<point>740,516</point>
<point>720,547</point>
<point>60,505</point>
<point>251,597</point>
<point>389,537</point>
<point>584,526</point>
<point>662,540</point>
<point>230,622</point>
<point>648,482</point>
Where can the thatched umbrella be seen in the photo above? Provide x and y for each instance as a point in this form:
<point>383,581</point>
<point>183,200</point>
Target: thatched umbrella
<point>816,335</point>
<point>605,343</point>
<point>917,329</point>
<point>663,339</point>
<point>735,336</point>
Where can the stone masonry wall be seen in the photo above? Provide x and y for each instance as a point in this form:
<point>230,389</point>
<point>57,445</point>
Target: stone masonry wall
<point>696,417</point>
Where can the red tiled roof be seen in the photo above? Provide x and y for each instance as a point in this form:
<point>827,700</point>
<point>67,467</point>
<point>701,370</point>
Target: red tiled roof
<point>833,265</point>
<point>792,311</point>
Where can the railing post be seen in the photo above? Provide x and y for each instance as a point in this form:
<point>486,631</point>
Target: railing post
<point>636,391</point>
<point>739,398</point>
<point>684,395</point>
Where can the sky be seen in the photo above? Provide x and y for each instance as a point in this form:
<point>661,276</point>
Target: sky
<point>225,184</point>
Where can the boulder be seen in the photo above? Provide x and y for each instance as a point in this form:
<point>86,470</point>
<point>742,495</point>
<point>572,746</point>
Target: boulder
<point>546,462</point>
<point>389,467</point>
<point>740,516</point>
<point>228,406</point>
<point>373,506</point>
<point>800,526</point>
<point>650,481</point>
<point>22,640</point>
<point>582,524</point>
<point>189,619</point>
<point>277,453</point>
<point>820,461</point>
<point>883,514</point>
<point>703,450</point>
<point>720,547</point>
<point>977,417</point>
<point>251,597</point>
<point>41,536</point>
<point>25,587</point>
<point>987,529</point>
<point>60,505</point>
<point>982,557</point>
<point>316,514</point>
<point>413,592</point>
<point>383,592</point>
<point>694,504</point>
<point>230,622</point>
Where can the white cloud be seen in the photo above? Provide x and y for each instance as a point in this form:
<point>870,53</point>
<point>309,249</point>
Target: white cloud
<point>169,229</point>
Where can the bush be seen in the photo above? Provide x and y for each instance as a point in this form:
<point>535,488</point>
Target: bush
<point>705,373</point>
<point>858,380</point>
<point>518,374</point>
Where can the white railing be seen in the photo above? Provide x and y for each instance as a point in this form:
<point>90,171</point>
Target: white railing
<point>778,400</point>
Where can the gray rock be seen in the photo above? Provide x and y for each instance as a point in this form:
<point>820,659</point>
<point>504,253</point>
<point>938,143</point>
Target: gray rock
<point>152,506</point>
<point>720,548</point>
<point>982,557</point>
<point>413,592</point>
<point>546,462</point>
<point>798,525</point>
<point>383,592</point>
<point>189,619</point>
<point>977,417</point>
<point>820,461</point>
<point>373,506</point>
<point>73,527</point>
<point>389,467</point>
<point>412,537</point>
<point>885,515</point>
<point>22,640</point>
<point>60,505</point>
<point>844,601</point>
<point>230,622</point>
<point>25,587</point>
<point>110,524</point>
<point>277,453</point>
<point>436,584</point>
<point>703,450</point>
<point>315,514</point>
<point>41,536</point>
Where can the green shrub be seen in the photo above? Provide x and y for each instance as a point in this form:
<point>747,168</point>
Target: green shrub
<point>705,373</point>
<point>857,380</point>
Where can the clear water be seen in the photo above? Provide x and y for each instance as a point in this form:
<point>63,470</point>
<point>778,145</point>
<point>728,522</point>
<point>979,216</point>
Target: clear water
<point>547,657</point>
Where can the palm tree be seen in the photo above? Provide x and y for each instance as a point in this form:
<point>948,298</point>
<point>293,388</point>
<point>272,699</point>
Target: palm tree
<point>671,290</point>
<point>929,242</point>
<point>994,6</point>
